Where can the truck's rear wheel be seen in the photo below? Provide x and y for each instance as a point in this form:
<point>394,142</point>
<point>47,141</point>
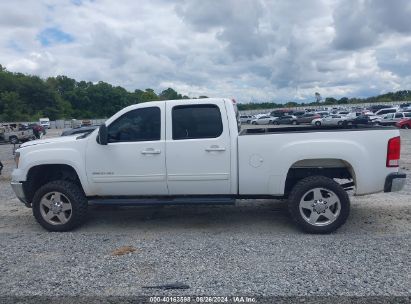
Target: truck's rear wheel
<point>60,206</point>
<point>318,204</point>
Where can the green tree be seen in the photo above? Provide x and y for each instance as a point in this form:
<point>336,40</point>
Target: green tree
<point>169,94</point>
<point>12,107</point>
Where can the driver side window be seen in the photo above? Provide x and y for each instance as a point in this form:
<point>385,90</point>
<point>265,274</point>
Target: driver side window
<point>137,125</point>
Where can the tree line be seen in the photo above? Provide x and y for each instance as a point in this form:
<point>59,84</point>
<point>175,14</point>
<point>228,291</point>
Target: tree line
<point>29,97</point>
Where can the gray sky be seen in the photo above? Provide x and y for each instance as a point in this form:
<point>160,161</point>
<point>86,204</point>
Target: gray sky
<point>249,49</point>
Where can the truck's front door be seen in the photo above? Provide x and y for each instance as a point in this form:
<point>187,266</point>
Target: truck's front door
<point>198,149</point>
<point>133,161</point>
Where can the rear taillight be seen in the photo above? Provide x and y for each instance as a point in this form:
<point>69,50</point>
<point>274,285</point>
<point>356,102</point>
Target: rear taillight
<point>393,152</point>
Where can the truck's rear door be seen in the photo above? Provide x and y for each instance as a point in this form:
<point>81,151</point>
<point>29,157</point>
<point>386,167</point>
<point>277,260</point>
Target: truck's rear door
<point>197,148</point>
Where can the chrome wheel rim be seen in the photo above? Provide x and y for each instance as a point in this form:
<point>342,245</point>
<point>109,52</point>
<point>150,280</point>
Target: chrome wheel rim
<point>56,208</point>
<point>320,207</point>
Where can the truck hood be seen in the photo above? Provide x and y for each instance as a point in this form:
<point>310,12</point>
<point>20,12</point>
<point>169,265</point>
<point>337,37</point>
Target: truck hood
<point>50,141</point>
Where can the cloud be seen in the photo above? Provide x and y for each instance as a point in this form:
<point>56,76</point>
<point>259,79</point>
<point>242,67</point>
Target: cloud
<point>237,23</point>
<point>256,50</point>
<point>364,23</point>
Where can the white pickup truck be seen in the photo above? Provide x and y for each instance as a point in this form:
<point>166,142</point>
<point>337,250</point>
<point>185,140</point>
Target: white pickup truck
<point>191,152</point>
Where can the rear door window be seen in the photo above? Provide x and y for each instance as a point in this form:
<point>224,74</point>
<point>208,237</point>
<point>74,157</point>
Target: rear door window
<point>196,121</point>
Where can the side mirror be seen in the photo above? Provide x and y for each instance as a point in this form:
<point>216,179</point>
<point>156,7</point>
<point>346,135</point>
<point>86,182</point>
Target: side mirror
<point>102,135</point>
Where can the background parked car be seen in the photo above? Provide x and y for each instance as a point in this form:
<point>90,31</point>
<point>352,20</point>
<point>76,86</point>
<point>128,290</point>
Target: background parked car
<point>297,113</point>
<point>404,123</point>
<point>263,120</point>
<point>359,120</point>
<point>246,118</point>
<point>286,120</point>
<point>392,118</point>
<point>375,108</point>
<point>386,111</point>
<point>80,130</point>
<point>307,118</point>
<point>15,133</point>
<point>374,118</point>
<point>331,120</point>
<point>278,113</point>
<point>45,122</point>
<point>323,113</point>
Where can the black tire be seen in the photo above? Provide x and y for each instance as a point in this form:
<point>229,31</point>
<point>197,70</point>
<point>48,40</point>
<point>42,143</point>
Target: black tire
<point>340,123</point>
<point>277,123</point>
<point>253,123</point>
<point>405,127</point>
<point>294,122</point>
<point>77,199</point>
<point>318,123</point>
<point>312,182</point>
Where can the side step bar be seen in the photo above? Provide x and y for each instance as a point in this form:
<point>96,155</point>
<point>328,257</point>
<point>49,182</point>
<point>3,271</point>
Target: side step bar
<point>161,201</point>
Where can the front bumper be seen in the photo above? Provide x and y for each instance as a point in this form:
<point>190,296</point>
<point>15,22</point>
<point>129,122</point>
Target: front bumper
<point>394,182</point>
<point>19,191</point>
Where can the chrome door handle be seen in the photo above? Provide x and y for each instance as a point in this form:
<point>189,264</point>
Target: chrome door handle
<point>215,148</point>
<point>150,151</point>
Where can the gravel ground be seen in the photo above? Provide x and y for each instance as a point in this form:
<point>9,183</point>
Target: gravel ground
<point>249,249</point>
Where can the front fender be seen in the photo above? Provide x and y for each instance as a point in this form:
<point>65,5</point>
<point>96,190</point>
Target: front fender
<point>50,156</point>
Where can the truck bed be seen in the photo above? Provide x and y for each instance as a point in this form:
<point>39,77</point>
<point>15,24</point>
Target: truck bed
<point>265,161</point>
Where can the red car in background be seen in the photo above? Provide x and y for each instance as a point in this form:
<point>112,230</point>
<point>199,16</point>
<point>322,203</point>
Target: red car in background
<point>404,123</point>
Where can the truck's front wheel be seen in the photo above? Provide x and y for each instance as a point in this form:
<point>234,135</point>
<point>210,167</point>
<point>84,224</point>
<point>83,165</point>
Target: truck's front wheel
<point>318,204</point>
<point>60,206</point>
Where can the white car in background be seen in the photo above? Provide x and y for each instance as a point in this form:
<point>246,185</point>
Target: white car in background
<point>45,122</point>
<point>246,118</point>
<point>373,117</point>
<point>391,118</point>
<point>264,120</point>
<point>331,120</point>
<point>385,111</point>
